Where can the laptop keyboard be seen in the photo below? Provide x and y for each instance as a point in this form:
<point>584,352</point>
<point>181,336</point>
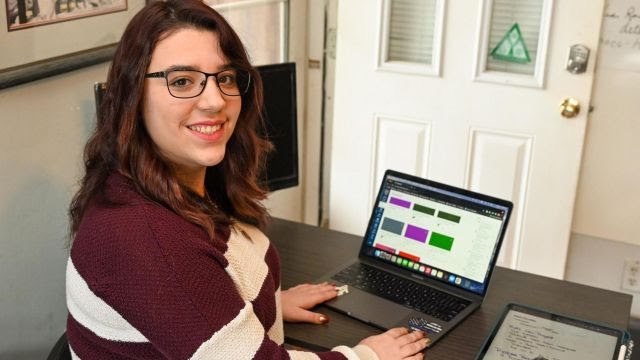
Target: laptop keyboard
<point>425,299</point>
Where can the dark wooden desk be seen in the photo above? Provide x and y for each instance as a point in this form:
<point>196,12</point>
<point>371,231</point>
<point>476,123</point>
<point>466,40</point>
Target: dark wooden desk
<point>308,252</point>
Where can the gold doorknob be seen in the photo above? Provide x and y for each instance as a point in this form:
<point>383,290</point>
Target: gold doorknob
<point>569,107</point>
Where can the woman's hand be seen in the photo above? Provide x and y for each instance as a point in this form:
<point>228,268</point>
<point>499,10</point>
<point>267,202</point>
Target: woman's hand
<point>398,343</point>
<point>297,300</point>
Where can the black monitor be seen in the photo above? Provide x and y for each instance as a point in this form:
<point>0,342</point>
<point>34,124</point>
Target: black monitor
<point>280,113</point>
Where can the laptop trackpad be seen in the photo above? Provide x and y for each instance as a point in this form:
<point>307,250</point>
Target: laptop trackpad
<point>370,309</point>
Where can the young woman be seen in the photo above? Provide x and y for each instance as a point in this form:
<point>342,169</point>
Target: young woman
<point>167,260</point>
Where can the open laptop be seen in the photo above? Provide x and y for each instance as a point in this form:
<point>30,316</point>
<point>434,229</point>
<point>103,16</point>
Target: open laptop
<point>426,258</point>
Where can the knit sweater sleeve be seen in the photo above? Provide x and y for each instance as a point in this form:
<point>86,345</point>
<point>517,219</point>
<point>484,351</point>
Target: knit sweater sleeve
<point>143,283</point>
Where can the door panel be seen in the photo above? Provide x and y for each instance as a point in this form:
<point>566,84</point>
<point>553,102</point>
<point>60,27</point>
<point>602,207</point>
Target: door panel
<point>508,181</point>
<point>394,139</point>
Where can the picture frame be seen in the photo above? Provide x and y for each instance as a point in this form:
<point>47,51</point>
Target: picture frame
<point>38,52</point>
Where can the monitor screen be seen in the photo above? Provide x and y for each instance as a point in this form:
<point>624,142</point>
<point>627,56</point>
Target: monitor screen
<point>280,113</point>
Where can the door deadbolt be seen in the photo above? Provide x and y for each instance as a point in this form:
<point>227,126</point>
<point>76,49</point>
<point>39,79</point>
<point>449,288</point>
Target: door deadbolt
<point>578,59</point>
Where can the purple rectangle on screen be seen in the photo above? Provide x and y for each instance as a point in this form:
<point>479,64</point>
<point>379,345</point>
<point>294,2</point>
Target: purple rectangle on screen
<point>399,202</point>
<point>416,233</point>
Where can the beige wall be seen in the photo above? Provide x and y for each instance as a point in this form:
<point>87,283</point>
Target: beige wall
<point>45,126</point>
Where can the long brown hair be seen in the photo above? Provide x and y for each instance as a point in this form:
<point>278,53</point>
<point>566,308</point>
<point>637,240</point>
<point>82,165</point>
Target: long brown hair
<point>120,142</point>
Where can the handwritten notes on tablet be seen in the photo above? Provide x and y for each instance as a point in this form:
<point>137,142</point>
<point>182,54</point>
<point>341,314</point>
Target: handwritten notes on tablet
<point>524,336</point>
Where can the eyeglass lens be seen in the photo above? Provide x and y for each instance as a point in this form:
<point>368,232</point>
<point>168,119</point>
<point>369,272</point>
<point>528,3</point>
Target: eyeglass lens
<point>190,83</point>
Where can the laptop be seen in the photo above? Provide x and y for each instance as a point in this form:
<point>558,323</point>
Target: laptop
<point>426,258</point>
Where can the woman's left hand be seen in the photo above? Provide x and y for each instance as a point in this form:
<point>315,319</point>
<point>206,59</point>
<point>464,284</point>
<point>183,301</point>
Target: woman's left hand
<point>297,300</point>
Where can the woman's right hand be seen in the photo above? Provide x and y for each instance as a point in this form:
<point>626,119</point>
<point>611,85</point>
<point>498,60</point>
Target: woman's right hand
<point>398,343</point>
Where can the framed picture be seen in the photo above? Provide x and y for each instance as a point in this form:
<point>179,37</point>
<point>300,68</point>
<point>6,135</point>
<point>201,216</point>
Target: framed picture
<point>78,33</point>
<point>23,14</point>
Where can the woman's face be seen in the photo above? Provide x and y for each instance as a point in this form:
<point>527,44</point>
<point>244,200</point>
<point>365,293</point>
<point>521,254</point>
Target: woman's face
<point>191,133</point>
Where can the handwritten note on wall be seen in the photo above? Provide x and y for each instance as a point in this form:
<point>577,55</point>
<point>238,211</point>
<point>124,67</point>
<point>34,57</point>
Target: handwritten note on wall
<point>620,36</point>
<point>528,337</point>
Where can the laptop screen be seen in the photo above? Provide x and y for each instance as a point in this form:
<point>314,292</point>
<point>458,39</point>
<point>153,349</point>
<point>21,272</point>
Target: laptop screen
<point>451,235</point>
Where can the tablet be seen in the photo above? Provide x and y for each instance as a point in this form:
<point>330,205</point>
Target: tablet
<point>527,333</point>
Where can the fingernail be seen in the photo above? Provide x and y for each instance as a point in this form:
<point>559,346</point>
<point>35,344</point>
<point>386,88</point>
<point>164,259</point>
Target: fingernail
<point>323,319</point>
<point>427,341</point>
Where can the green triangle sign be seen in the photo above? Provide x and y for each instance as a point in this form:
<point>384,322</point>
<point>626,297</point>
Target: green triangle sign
<point>511,47</point>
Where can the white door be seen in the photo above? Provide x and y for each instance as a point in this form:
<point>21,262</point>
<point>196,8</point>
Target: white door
<point>421,87</point>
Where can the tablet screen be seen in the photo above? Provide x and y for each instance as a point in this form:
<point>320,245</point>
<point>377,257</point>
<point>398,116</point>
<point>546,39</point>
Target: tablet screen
<point>532,334</point>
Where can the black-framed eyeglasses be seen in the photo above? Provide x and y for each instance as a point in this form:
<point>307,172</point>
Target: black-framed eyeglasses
<point>185,84</point>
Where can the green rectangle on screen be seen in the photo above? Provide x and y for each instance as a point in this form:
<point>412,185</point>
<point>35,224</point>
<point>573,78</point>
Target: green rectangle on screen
<point>424,209</point>
<point>441,241</point>
<point>450,217</point>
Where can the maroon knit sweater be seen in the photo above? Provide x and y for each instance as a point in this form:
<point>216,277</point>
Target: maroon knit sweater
<point>143,283</point>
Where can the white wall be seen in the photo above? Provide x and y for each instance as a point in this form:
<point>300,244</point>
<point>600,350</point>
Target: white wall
<point>607,212</point>
<point>45,125</point>
<point>598,262</point>
<point>608,201</point>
